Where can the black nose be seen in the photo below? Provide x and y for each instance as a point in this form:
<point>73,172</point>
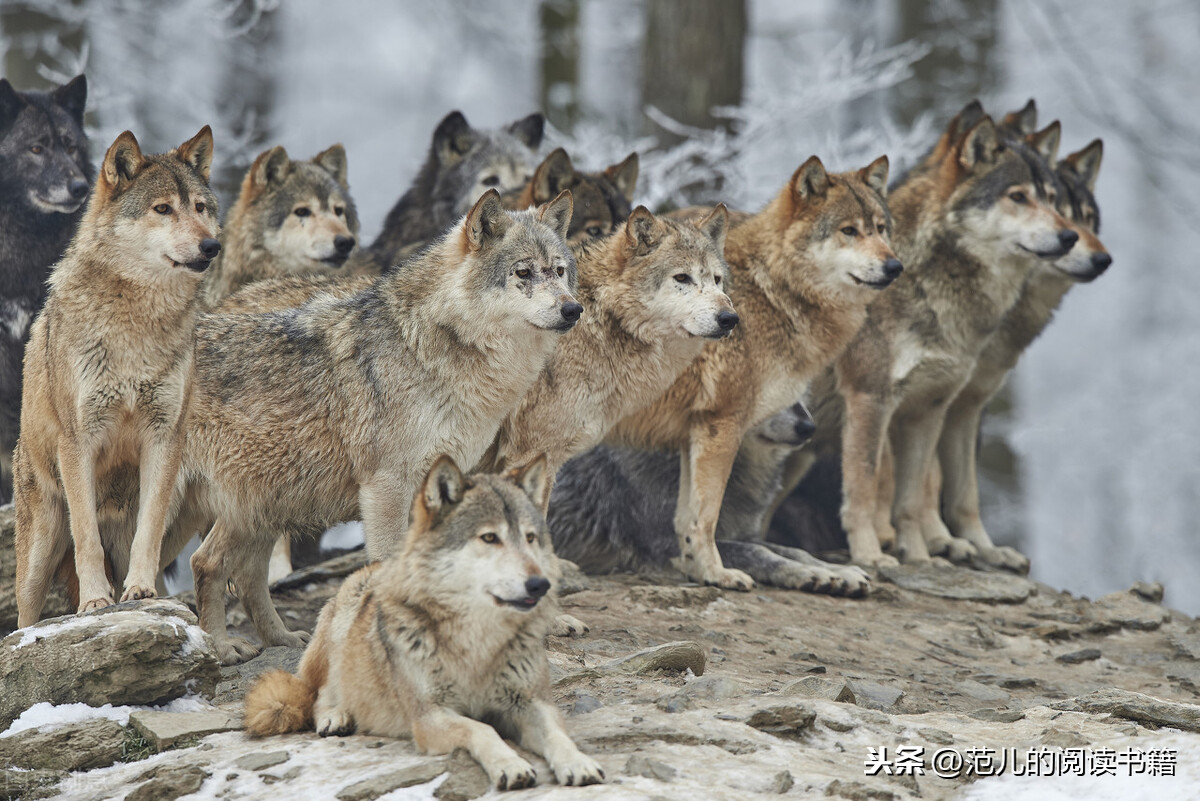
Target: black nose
<point>892,268</point>
<point>727,319</point>
<point>1068,238</point>
<point>1100,262</point>
<point>78,188</point>
<point>537,586</point>
<point>210,248</point>
<point>805,428</point>
<point>343,244</point>
<point>570,312</point>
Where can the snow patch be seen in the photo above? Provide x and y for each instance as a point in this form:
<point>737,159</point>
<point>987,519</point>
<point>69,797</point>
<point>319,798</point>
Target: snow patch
<point>35,633</point>
<point>52,716</point>
<point>343,536</point>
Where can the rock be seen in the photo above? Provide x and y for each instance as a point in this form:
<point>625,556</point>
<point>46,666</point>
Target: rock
<point>20,784</point>
<point>585,703</point>
<point>785,720</point>
<point>1187,644</point>
<point>335,568</point>
<point>816,687</point>
<point>237,679</point>
<point>1078,657</point>
<point>674,657</point>
<point>465,782</point>
<point>85,745</point>
<point>1061,738</point>
<point>1130,611</point>
<point>639,765</point>
<point>981,692</point>
<point>164,729</point>
<point>1018,683</point>
<point>370,789</point>
<point>56,601</point>
<point>1137,707</point>
<point>1151,591</point>
<point>262,760</point>
<point>857,791</point>
<point>139,652</point>
<point>873,695</point>
<point>998,715</point>
<point>960,584</point>
<point>169,783</point>
<point>573,579</point>
<point>705,688</point>
<point>782,782</point>
<point>674,597</point>
<point>937,736</point>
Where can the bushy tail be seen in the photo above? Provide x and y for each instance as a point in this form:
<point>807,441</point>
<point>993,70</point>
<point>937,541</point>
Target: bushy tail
<point>279,703</point>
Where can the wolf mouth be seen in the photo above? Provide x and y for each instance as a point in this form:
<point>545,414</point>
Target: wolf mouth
<point>336,260</point>
<point>1046,254</point>
<point>522,604</point>
<point>880,284</point>
<point>194,266</point>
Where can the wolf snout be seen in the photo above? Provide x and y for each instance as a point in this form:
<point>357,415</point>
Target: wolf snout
<point>727,319</point>
<point>343,244</point>
<point>78,188</point>
<point>209,248</point>
<point>892,268</point>
<point>537,586</point>
<point>571,311</point>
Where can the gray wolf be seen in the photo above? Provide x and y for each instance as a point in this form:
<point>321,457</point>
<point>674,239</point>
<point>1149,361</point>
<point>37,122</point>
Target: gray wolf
<point>603,200</point>
<point>108,377</point>
<point>306,416</point>
<point>45,177</point>
<point>462,164</point>
<point>610,510</point>
<point>442,636</point>
<point>291,218</point>
<point>802,273</point>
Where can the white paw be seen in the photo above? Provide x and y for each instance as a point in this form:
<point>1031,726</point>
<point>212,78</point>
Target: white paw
<point>95,603</point>
<point>581,770</point>
<point>137,592</point>
<point>292,639</point>
<point>512,773</point>
<point>334,723</point>
<point>568,626</point>
<point>233,650</point>
<point>853,581</point>
<point>1004,558</point>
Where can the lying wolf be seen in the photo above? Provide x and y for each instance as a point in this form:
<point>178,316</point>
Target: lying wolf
<point>442,636</point>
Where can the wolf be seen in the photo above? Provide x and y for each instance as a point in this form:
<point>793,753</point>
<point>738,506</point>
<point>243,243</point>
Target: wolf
<point>443,635</point>
<point>291,218</point>
<point>462,164</point>
<point>603,200</point>
<point>45,177</point>
<point>306,416</point>
<point>108,377</point>
<point>802,273</point>
<point>609,511</point>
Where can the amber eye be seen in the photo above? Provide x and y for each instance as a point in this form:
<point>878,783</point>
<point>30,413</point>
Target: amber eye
<point>594,230</point>
<point>491,180</point>
<point>303,211</point>
<point>163,208</point>
<point>36,150</point>
<point>200,207</point>
<point>683,278</point>
<point>524,272</point>
<point>850,230</point>
<point>339,210</point>
<point>561,270</point>
<point>1018,197</point>
<point>490,537</point>
<point>530,537</point>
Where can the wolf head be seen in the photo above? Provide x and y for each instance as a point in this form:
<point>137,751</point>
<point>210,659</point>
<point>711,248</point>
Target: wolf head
<point>675,274</point>
<point>517,266</point>
<point>841,222</point>
<point>470,161</point>
<point>481,542</point>
<point>790,428</point>
<point>43,150</point>
<point>1077,202</point>
<point>603,200</point>
<point>156,212</point>
<point>301,212</point>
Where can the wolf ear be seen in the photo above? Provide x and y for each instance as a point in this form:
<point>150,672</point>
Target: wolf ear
<point>1023,121</point>
<point>810,181</point>
<point>624,176</point>
<point>123,160</point>
<point>270,168</point>
<point>452,138</point>
<point>529,130</point>
<point>553,175</point>
<point>980,145</point>
<point>198,151</point>
<point>333,161</point>
<point>875,175</point>
<point>535,480</point>
<point>11,104</point>
<point>443,488</point>
<point>965,120</point>
<point>715,225</point>
<point>642,230</point>
<point>1086,163</point>
<point>485,221</point>
<point>557,213</point>
<point>1045,142</point>
<point>72,97</point>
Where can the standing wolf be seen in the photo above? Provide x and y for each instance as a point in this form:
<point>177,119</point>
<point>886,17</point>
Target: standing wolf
<point>108,376</point>
<point>291,218</point>
<point>45,176</point>
<point>462,164</point>
<point>442,636</point>
<point>307,416</point>
<point>603,200</point>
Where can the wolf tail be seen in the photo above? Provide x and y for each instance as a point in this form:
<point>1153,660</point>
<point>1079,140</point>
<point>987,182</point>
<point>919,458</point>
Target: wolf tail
<point>278,703</point>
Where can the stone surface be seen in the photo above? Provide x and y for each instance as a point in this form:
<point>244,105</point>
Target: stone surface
<point>674,597</point>
<point>873,695</point>
<point>784,720</point>
<point>704,688</point>
<point>166,729</point>
<point>56,601</point>
<point>21,784</point>
<point>139,652</point>
<point>981,692</point>
<point>817,687</point>
<point>1130,611</point>
<point>262,760</point>
<point>370,789</point>
<point>1151,591</point>
<point>1136,706</point>
<point>960,584</point>
<point>998,715</point>
<point>237,679</point>
<point>1062,738</point>
<point>168,784</point>
<point>465,782</point>
<point>640,765</point>
<point>1078,657</point>
<point>1187,644</point>
<point>85,745</point>
<point>675,657</point>
<point>782,782</point>
<point>857,791</point>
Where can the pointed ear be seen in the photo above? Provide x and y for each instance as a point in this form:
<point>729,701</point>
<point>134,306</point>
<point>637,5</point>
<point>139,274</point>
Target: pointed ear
<point>529,130</point>
<point>1023,121</point>
<point>535,480</point>
<point>965,120</point>
<point>1045,142</point>
<point>875,175</point>
<point>72,97</point>
<point>810,181</point>
<point>333,161</point>
<point>270,168</point>
<point>641,230</point>
<point>624,176</point>
<point>11,104</point>
<point>452,138</point>
<point>198,151</point>
<point>442,489</point>
<point>1086,163</point>
<point>980,145</point>
<point>123,160</point>
<point>553,175</point>
<point>486,221</point>
<point>557,213</point>
<point>715,225</point>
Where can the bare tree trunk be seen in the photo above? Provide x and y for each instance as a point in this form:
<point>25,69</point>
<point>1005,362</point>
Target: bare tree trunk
<point>559,20</point>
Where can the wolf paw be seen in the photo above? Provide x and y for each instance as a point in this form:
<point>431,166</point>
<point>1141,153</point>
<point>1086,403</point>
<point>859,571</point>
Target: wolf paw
<point>958,551</point>
<point>568,626</point>
<point>292,639</point>
<point>1004,558</point>
<point>96,603</point>
<point>579,771</point>
<point>852,581</point>
<point>335,723</point>
<point>729,579</point>
<point>876,560</point>
<point>513,774</point>
<point>234,650</point>
<point>137,592</point>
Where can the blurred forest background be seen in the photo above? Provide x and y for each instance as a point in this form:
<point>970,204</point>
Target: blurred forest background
<point>1092,455</point>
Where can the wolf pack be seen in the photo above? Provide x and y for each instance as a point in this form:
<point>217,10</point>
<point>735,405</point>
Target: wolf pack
<point>524,367</point>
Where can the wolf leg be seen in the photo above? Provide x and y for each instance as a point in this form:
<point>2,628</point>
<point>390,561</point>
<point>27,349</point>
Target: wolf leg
<point>250,578</point>
<point>862,442</point>
<point>914,439</point>
<point>779,566</point>
<point>440,730</point>
<point>329,718</point>
<point>540,728</point>
<point>385,502</point>
<point>884,497</point>
<point>77,467</point>
<point>41,542</point>
<point>210,569</point>
<point>794,470</point>
<point>158,471</point>
<point>704,470</point>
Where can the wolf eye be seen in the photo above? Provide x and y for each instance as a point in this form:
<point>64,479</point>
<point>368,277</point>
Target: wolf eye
<point>881,228</point>
<point>594,230</point>
<point>200,207</point>
<point>523,272</point>
<point>491,180</point>
<point>36,150</point>
<point>683,278</point>
<point>339,210</point>
<point>1018,197</point>
<point>561,270</point>
<point>850,230</point>
<point>530,537</point>
<point>717,280</point>
<point>490,537</point>
<point>303,211</point>
<point>163,208</point>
